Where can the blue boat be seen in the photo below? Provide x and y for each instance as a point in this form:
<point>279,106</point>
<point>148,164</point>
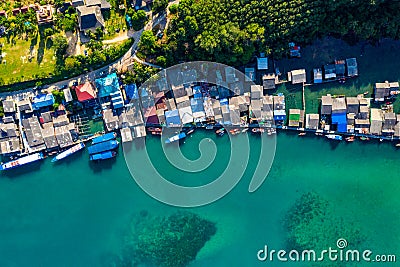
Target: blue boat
<point>103,155</point>
<point>21,161</point>
<point>68,152</point>
<point>175,138</point>
<point>104,138</point>
<point>103,146</point>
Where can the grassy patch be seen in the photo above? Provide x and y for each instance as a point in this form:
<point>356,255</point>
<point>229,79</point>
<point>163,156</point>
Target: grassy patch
<point>26,59</point>
<point>114,21</point>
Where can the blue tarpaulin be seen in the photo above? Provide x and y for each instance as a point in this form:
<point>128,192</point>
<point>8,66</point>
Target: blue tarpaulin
<point>341,120</point>
<point>131,91</point>
<point>43,100</point>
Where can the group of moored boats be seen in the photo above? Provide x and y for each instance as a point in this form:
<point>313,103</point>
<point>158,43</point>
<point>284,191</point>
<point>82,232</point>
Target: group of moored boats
<point>103,147</point>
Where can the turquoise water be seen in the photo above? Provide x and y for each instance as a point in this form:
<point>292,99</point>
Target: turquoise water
<point>75,213</point>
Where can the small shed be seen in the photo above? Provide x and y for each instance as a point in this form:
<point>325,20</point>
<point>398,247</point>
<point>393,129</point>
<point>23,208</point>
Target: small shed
<point>269,81</point>
<point>262,62</point>
<point>352,68</point>
<point>298,76</point>
<point>317,75</point>
<point>326,105</point>
<point>329,72</point>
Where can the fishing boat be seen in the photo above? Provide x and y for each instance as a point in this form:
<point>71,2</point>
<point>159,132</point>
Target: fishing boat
<point>156,133</point>
<point>245,130</point>
<point>302,134</point>
<point>103,155</point>
<point>68,152</point>
<point>103,146</point>
<point>363,138</point>
<point>366,93</point>
<point>220,132</point>
<point>21,161</point>
<point>234,131</point>
<point>104,138</point>
<point>350,139</point>
<point>398,144</point>
<point>154,129</point>
<point>209,127</point>
<point>175,138</point>
<point>258,130</point>
<point>190,130</point>
<point>334,137</point>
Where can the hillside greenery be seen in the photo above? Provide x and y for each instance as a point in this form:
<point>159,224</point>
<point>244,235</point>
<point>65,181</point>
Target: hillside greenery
<point>232,31</point>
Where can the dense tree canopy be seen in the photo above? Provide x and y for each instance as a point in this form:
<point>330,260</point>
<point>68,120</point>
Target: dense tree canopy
<point>230,31</point>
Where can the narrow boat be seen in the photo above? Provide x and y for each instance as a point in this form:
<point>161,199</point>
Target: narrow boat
<point>156,133</point>
<point>103,155</point>
<point>350,139</point>
<point>175,138</point>
<point>334,137</point>
<point>302,134</point>
<point>104,138</point>
<point>398,144</point>
<point>234,131</point>
<point>209,127</point>
<point>258,130</point>
<point>245,130</point>
<point>68,152</point>
<point>21,161</point>
<point>154,129</point>
<point>220,132</point>
<point>363,138</point>
<point>103,146</point>
<point>190,130</point>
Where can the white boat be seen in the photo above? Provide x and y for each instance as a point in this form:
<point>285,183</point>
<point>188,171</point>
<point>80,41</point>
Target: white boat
<point>334,137</point>
<point>21,161</point>
<point>68,152</point>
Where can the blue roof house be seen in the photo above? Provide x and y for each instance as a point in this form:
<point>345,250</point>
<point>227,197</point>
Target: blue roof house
<point>43,100</point>
<point>107,85</point>
<point>172,118</point>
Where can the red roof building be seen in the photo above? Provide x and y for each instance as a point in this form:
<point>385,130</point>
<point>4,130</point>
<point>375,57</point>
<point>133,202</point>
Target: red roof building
<point>85,92</point>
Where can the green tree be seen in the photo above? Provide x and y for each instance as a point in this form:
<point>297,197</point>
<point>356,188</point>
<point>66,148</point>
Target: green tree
<point>60,45</point>
<point>138,19</point>
<point>173,8</point>
<point>161,61</point>
<point>147,41</point>
<point>159,5</point>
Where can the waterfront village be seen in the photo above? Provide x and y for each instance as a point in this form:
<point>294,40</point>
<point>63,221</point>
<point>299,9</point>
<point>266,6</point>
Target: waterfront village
<point>31,124</point>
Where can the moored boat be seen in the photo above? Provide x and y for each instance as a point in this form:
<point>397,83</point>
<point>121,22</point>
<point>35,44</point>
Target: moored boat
<point>302,134</point>
<point>350,139</point>
<point>234,131</point>
<point>104,138</point>
<point>68,152</point>
<point>21,161</point>
<point>103,146</point>
<point>154,129</point>
<point>363,138</point>
<point>103,155</point>
<point>220,132</point>
<point>257,130</point>
<point>334,137</point>
<point>190,130</point>
<point>175,138</point>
